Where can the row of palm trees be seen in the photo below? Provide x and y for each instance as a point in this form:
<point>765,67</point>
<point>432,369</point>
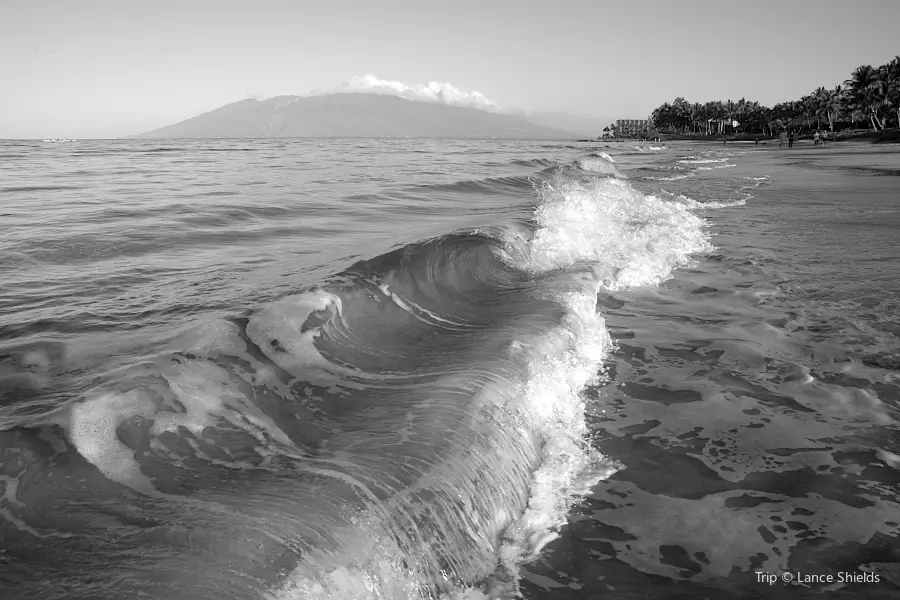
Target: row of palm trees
<point>870,98</point>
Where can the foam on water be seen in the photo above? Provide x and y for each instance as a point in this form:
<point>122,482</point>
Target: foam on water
<point>710,525</point>
<point>695,205</point>
<point>702,161</point>
<point>635,239</point>
<point>671,177</point>
<point>282,332</point>
<point>179,394</point>
<point>717,166</point>
<point>628,239</point>
<point>694,165</point>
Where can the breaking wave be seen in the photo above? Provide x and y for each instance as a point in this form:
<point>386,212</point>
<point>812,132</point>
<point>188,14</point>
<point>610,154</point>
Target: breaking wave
<point>411,427</point>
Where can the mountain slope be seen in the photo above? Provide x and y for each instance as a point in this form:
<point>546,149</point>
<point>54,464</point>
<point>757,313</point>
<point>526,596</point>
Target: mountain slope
<point>352,115</point>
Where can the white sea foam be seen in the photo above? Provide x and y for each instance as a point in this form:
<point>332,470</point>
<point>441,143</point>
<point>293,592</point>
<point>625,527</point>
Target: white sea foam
<point>637,239</point>
<point>717,166</point>
<point>671,177</point>
<point>280,330</point>
<point>695,205</point>
<point>92,429</point>
<point>560,368</point>
<point>702,161</point>
<point>189,394</point>
<point>631,239</point>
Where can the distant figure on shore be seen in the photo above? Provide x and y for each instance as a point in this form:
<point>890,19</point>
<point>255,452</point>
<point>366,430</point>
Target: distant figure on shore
<point>816,138</point>
<point>824,137</point>
<point>782,139</point>
<point>791,139</point>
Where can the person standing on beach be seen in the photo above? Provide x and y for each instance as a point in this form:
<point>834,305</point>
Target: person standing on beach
<point>782,138</point>
<point>791,139</point>
<point>816,138</point>
<point>824,137</point>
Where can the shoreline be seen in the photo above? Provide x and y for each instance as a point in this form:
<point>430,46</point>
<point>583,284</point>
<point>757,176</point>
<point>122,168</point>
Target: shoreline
<point>886,136</point>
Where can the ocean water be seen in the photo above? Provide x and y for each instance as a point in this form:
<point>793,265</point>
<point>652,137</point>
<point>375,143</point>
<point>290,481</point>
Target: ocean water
<point>394,369</point>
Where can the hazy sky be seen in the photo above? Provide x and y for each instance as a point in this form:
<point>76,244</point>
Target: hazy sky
<point>106,68</point>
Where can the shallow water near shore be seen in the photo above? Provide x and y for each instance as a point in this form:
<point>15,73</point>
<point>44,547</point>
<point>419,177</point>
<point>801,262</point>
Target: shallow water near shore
<point>421,369</point>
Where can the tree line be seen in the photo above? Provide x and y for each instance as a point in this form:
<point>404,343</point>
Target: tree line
<point>869,98</point>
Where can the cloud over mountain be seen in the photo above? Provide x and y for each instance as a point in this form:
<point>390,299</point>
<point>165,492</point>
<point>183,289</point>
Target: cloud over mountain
<point>450,95</point>
<point>444,93</point>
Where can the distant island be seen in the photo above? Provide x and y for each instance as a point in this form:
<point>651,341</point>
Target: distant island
<point>870,99</point>
<point>353,115</point>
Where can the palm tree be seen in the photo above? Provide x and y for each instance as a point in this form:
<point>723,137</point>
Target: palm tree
<point>662,117</point>
<point>696,116</point>
<point>741,113</point>
<point>681,113</point>
<point>821,104</point>
<point>834,103</point>
<point>729,112</point>
<point>708,112</point>
<point>857,114</point>
<point>767,118</point>
<point>865,86</point>
<point>892,86</point>
<point>751,116</point>
<point>808,108</point>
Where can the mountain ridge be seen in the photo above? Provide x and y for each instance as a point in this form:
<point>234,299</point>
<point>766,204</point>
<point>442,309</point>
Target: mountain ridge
<point>352,115</point>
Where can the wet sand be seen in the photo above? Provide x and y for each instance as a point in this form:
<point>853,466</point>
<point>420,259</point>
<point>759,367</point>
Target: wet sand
<point>853,156</point>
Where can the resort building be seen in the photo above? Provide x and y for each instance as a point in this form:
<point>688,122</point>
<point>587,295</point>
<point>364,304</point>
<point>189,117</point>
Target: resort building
<point>631,127</point>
